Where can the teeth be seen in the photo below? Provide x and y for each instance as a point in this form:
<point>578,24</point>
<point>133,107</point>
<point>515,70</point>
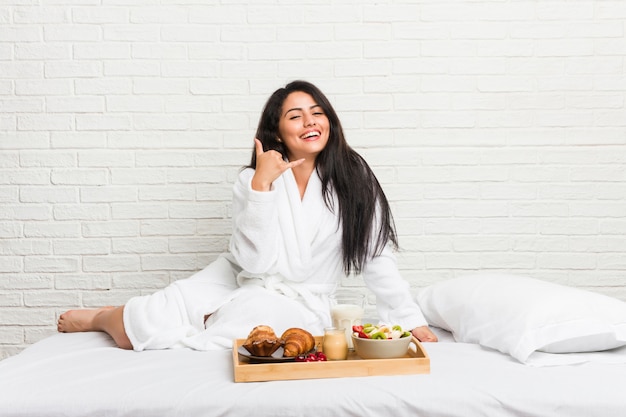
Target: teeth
<point>310,134</point>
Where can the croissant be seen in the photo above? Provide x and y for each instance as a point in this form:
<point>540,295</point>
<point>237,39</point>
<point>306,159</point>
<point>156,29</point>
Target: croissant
<point>297,341</point>
<point>262,341</point>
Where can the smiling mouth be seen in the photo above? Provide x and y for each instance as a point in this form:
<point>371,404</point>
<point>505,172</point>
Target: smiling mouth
<point>311,135</point>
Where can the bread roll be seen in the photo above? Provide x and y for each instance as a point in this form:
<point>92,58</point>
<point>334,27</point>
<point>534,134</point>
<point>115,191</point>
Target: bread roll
<point>297,341</point>
<point>262,341</point>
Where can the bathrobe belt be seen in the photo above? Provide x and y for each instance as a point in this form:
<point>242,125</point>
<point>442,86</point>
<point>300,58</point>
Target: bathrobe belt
<point>315,296</point>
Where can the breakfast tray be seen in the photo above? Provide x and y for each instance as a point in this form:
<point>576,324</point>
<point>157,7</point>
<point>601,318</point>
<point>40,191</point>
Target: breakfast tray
<point>416,361</point>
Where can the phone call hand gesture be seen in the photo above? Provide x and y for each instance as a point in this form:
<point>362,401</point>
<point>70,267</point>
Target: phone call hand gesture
<point>269,166</point>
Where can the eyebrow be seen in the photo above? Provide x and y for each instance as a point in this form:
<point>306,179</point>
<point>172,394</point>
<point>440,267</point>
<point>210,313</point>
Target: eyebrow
<point>300,108</point>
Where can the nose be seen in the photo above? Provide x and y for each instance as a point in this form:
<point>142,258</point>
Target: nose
<point>309,120</point>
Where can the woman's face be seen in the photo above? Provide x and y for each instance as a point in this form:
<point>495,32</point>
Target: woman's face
<point>303,127</point>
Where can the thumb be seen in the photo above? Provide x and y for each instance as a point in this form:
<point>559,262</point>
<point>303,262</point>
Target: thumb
<point>259,146</point>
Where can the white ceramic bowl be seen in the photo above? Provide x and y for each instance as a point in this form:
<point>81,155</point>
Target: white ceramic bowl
<point>381,348</point>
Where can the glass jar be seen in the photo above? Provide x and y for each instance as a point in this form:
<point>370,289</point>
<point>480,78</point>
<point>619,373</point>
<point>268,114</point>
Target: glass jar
<point>334,344</point>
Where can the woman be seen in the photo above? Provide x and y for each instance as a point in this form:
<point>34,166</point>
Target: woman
<point>307,211</point>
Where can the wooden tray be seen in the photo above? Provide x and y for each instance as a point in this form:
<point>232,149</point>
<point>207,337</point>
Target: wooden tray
<point>416,361</point>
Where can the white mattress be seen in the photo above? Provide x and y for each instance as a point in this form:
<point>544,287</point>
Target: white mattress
<point>83,374</point>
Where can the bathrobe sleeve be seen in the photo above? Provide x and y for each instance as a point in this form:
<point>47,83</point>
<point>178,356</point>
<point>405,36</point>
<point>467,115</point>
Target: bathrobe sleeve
<point>255,239</point>
<point>394,302</point>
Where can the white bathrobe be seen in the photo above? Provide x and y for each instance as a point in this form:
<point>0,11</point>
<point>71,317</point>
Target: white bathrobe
<point>284,261</point>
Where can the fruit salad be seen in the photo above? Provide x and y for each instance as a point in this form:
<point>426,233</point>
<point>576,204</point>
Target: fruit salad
<point>369,331</point>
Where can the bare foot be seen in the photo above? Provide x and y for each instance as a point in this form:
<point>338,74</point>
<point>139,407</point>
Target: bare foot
<point>79,320</point>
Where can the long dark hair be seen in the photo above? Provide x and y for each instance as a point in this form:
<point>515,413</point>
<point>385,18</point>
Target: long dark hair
<point>366,219</point>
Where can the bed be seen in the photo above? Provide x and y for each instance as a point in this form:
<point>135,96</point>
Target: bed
<point>84,374</point>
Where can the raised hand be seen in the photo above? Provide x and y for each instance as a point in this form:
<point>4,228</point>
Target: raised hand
<point>269,166</point>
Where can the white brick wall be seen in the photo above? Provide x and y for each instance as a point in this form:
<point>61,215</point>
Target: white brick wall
<point>498,129</point>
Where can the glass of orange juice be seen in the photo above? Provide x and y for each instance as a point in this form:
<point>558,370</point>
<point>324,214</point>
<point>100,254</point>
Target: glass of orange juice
<point>335,344</point>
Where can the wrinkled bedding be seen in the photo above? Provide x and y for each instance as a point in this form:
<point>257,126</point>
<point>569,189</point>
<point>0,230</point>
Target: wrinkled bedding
<point>84,374</point>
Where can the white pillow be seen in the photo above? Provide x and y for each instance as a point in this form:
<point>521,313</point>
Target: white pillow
<point>520,316</point>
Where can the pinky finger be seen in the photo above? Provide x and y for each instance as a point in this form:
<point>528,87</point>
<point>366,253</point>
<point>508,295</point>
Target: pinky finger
<point>295,163</point>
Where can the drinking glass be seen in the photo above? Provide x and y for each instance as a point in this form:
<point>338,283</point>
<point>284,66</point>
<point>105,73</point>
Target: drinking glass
<point>346,310</point>
<point>335,344</point>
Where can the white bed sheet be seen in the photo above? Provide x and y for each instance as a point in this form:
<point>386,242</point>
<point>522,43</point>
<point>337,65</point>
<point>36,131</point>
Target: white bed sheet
<point>83,374</point>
